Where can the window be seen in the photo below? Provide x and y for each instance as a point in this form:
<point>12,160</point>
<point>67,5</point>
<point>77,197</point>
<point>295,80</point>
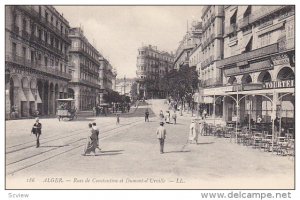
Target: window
<point>14,49</point>
<point>61,69</point>
<point>24,25</point>
<point>24,52</point>
<point>265,39</point>
<point>46,61</point>
<point>40,34</point>
<point>46,16</point>
<point>46,36</point>
<point>32,56</point>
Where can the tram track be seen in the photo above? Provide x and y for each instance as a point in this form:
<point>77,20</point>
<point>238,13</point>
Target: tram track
<point>45,141</point>
<point>126,126</point>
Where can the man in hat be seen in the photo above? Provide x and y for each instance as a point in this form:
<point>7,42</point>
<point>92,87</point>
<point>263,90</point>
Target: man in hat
<point>37,130</point>
<point>161,133</point>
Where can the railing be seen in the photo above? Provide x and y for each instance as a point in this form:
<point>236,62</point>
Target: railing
<point>263,12</point>
<point>25,34</point>
<point>211,82</point>
<point>20,60</point>
<point>80,49</point>
<point>86,82</point>
<point>273,48</point>
<point>244,22</point>
<point>43,20</point>
<point>15,29</point>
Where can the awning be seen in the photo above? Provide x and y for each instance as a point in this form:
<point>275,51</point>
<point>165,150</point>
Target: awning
<point>246,41</point>
<point>38,97</point>
<point>245,9</point>
<point>29,95</point>
<point>232,12</point>
<point>22,96</point>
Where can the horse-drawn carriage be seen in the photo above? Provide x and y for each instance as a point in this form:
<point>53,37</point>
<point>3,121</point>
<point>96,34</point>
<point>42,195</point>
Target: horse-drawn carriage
<point>66,109</point>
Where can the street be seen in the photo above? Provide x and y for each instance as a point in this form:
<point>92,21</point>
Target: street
<point>130,157</point>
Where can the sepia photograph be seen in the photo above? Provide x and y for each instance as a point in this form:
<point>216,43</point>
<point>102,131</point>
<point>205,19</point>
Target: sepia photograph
<point>149,97</point>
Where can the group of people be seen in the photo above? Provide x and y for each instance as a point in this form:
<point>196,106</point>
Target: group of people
<point>167,117</point>
<point>92,140</point>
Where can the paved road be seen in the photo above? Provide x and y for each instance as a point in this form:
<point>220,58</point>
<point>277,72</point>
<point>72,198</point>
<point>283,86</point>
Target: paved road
<point>130,157</point>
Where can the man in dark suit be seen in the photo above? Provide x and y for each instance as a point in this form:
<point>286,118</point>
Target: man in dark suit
<point>37,130</point>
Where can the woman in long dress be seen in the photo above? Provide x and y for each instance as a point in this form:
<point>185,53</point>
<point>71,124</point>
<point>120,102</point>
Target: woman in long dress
<point>92,141</point>
<point>192,131</point>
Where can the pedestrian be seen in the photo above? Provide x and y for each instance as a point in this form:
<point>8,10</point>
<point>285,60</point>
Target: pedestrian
<point>161,133</point>
<point>118,119</point>
<point>147,115</point>
<point>37,131</point>
<point>192,133</point>
<point>91,141</point>
<point>95,127</point>
<point>94,111</point>
<point>204,113</point>
<point>161,116</point>
<point>174,116</point>
<point>167,117</point>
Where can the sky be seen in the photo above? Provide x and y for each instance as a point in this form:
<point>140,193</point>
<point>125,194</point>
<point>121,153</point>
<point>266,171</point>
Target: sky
<point>118,31</point>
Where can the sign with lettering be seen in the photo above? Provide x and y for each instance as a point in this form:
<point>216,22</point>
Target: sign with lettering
<point>279,84</point>
<point>281,59</point>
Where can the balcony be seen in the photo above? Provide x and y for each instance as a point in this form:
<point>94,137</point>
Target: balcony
<point>244,22</point>
<point>264,51</point>
<point>81,50</point>
<point>264,12</point>
<point>86,82</point>
<point>25,34</point>
<point>230,29</point>
<point>211,82</point>
<point>36,66</point>
<point>30,11</point>
<point>15,29</point>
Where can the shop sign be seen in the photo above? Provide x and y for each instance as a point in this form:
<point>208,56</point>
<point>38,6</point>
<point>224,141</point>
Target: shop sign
<point>279,84</point>
<point>252,86</point>
<point>281,59</point>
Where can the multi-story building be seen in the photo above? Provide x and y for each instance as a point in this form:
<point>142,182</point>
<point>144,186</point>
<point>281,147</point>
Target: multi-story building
<point>107,77</point>
<point>114,80</point>
<point>36,59</point>
<point>212,45</point>
<point>152,64</point>
<point>258,65</point>
<point>85,65</point>
<point>191,39</point>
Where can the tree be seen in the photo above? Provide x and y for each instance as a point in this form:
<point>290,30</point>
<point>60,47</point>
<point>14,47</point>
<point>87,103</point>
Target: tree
<point>181,84</point>
<point>133,91</point>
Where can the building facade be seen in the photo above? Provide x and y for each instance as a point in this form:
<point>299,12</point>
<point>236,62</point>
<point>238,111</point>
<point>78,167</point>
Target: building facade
<point>85,66</point>
<point>212,45</point>
<point>258,66</point>
<point>152,65</point>
<point>191,40</point>
<point>36,59</point>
